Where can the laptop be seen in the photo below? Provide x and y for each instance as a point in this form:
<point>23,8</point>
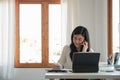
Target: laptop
<point>85,62</point>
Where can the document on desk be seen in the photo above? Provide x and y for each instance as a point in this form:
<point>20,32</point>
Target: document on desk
<point>58,70</point>
<point>55,70</point>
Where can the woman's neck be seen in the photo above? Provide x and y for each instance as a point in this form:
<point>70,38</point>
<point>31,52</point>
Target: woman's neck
<point>78,49</point>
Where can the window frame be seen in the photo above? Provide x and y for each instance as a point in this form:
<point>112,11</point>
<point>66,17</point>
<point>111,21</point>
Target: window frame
<point>109,5</point>
<point>45,34</point>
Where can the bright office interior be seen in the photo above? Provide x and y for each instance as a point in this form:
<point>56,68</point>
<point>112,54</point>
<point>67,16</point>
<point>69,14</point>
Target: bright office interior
<point>90,13</point>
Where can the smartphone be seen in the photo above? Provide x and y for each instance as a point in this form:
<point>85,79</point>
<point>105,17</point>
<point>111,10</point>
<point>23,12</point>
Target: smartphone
<point>81,47</point>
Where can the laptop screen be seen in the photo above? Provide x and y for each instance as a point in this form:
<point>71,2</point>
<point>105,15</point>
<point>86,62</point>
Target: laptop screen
<point>85,62</point>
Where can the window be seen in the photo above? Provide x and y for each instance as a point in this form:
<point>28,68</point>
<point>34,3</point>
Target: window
<point>54,27</point>
<point>30,49</point>
<point>37,22</point>
<point>115,24</point>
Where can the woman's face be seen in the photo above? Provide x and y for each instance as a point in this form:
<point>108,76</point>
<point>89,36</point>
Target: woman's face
<point>78,39</point>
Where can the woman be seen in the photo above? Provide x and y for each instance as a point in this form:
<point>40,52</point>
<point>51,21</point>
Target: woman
<point>79,43</point>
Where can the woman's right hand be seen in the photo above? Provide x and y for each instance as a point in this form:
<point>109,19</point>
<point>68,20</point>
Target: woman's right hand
<point>56,66</point>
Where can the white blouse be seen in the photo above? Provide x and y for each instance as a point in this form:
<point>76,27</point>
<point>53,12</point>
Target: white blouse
<point>65,59</point>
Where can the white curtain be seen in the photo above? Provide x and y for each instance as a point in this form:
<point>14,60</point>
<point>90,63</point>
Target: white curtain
<point>70,17</point>
<point>7,25</point>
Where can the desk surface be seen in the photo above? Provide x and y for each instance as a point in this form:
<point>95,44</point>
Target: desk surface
<point>70,75</point>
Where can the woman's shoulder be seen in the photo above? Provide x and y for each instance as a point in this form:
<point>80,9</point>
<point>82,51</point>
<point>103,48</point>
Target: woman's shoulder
<point>66,47</point>
<point>66,50</point>
<point>91,50</point>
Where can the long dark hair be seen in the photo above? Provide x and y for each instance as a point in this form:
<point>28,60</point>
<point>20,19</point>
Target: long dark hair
<point>82,31</point>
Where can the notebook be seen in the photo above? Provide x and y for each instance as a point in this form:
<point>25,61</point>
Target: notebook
<point>85,62</point>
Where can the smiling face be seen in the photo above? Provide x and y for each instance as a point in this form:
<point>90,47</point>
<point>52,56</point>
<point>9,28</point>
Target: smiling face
<point>78,40</point>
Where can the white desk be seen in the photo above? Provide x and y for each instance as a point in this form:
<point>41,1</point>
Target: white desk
<point>70,75</point>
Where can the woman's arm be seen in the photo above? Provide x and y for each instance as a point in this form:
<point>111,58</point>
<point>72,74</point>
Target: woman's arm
<point>62,59</point>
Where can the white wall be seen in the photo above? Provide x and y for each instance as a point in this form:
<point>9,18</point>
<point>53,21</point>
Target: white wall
<point>29,74</point>
<point>100,28</point>
<point>93,15</point>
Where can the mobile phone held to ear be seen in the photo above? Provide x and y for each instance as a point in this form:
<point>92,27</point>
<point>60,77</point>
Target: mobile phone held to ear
<point>81,47</point>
